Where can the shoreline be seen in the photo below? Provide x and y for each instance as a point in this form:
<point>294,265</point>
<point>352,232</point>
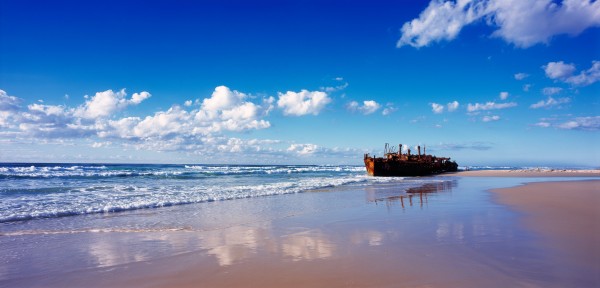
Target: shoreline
<point>566,217</point>
<point>529,173</point>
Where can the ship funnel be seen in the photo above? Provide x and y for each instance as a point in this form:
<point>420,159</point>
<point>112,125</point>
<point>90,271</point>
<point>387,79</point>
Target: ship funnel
<point>419,149</point>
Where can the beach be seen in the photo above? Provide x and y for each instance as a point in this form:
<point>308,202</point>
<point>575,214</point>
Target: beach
<point>434,143</point>
<point>531,173</point>
<point>455,230</point>
<point>566,214</point>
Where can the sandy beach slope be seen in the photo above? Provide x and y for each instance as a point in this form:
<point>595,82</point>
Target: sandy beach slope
<point>565,214</point>
<point>530,173</point>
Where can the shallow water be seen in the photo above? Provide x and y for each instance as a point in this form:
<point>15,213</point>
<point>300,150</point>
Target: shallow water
<point>438,231</point>
<point>31,191</point>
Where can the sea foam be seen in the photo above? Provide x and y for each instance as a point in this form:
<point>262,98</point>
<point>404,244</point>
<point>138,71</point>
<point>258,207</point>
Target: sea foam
<point>56,190</point>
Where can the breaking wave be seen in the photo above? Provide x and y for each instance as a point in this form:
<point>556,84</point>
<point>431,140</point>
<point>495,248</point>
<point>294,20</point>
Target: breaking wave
<point>32,191</point>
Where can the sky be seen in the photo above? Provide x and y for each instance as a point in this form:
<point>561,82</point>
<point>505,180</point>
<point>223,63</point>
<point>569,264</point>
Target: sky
<point>486,82</point>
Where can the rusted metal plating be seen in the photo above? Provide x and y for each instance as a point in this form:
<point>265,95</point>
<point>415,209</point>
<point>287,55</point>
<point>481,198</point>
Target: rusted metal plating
<point>396,163</point>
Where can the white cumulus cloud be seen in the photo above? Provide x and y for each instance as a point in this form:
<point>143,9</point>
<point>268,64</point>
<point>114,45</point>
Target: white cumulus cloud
<point>101,144</point>
<point>550,102</point>
<point>173,121</point>
<point>137,98</point>
<point>440,21</point>
<point>587,123</point>
<point>198,131</point>
<point>225,110</point>
<point>303,102</point>
<point>303,149</point>
<point>503,95</point>
<point>452,106</point>
<point>437,108</point>
<point>368,107</point>
<point>542,124</point>
<point>566,73</point>
<point>389,109</point>
<point>521,76</point>
<point>521,22</point>
<point>549,91</point>
<point>335,88</point>
<point>228,109</point>
<point>586,77</point>
<point>103,104</point>
<point>489,106</point>
<point>582,123</point>
<point>490,118</point>
<point>559,70</point>
<point>222,98</point>
<point>8,103</point>
<point>9,107</point>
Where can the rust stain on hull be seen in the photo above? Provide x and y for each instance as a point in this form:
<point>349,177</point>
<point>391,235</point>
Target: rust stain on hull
<point>400,164</point>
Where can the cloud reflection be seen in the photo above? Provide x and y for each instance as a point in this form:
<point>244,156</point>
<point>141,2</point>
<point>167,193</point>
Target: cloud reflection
<point>452,231</point>
<point>108,253</point>
<point>371,237</point>
<point>307,245</point>
<point>234,244</point>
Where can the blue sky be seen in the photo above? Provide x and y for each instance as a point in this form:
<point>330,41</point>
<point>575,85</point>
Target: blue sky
<point>485,82</point>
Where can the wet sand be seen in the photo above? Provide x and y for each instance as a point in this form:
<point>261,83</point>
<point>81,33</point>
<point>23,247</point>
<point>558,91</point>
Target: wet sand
<point>447,232</point>
<point>566,215</point>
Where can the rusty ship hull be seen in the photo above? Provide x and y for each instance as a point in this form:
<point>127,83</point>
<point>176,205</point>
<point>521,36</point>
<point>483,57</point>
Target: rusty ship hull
<point>400,164</point>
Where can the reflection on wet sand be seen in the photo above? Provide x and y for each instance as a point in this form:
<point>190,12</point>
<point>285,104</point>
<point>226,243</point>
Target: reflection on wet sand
<point>236,243</point>
<point>405,196</point>
<point>450,230</point>
<point>114,249</point>
<point>307,245</point>
<point>371,237</point>
<point>229,246</point>
<point>108,253</point>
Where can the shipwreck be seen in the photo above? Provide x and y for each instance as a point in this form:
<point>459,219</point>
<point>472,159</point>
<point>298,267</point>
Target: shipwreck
<point>404,164</point>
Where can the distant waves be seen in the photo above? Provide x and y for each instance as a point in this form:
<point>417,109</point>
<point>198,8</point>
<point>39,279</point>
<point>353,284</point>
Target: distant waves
<point>31,191</point>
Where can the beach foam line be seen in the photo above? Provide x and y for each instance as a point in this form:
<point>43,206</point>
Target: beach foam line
<point>117,198</point>
<point>34,171</point>
<point>96,230</point>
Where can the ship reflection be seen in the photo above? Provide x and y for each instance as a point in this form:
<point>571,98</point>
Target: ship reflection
<point>409,196</point>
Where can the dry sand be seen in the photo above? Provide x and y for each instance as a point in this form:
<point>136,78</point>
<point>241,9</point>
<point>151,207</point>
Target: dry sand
<point>565,214</point>
<point>530,173</point>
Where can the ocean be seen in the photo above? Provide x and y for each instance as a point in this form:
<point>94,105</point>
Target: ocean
<point>32,191</point>
<point>41,190</point>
